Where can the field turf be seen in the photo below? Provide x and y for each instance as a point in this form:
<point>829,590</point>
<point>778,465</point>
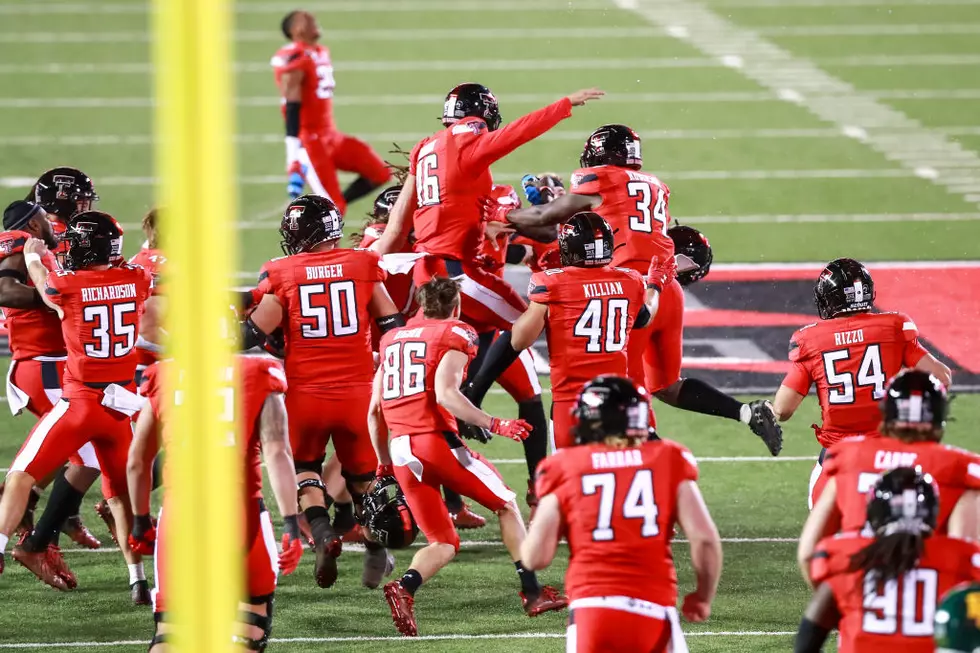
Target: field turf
<point>774,168</point>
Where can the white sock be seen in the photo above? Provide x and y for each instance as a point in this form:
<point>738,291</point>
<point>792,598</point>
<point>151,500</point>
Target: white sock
<point>136,573</point>
<point>3,543</point>
<point>745,414</point>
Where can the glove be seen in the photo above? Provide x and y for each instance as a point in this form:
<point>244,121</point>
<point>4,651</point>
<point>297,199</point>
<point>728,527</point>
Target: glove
<point>472,432</point>
<point>297,179</point>
<point>143,537</point>
<point>661,272</point>
<point>531,190</point>
<point>488,263</point>
<point>515,429</point>
<point>292,546</point>
<point>385,470</point>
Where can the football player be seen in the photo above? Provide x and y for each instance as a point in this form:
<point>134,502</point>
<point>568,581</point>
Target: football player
<point>617,496</point>
<point>261,384</point>
<point>314,146</point>
<point>850,355</point>
<point>881,592</point>
<point>913,414</point>
<point>62,192</point>
<point>957,626</point>
<point>416,396</point>
<point>448,176</point>
<point>99,306</point>
<point>611,183</point>
<point>150,257</point>
<point>589,308</point>
<point>325,297</point>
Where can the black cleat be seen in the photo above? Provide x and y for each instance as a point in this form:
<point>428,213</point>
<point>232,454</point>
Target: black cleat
<point>325,570</point>
<point>763,423</point>
<point>140,591</point>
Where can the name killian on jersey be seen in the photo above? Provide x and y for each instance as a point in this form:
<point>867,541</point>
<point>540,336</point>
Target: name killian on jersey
<point>105,293</point>
<point>602,289</point>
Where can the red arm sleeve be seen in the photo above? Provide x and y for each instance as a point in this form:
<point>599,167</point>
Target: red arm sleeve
<point>492,146</point>
<point>913,352</point>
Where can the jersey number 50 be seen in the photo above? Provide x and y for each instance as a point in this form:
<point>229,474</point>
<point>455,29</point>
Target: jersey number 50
<point>343,309</point>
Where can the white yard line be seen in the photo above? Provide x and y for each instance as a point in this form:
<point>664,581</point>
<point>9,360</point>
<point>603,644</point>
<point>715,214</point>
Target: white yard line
<point>924,151</point>
<point>280,8</point>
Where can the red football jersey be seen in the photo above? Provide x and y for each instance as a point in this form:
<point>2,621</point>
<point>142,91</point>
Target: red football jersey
<point>857,464</point>
<point>399,286</point>
<point>316,107</point>
<point>410,356</point>
<point>325,298</point>
<point>635,206</point>
<point>258,377</point>
<point>850,359</point>
<point>898,615</point>
<point>619,507</point>
<point>59,228</point>
<point>590,315</point>
<point>493,255</point>
<point>452,176</point>
<point>102,318</point>
<point>31,331</point>
<point>151,259</point>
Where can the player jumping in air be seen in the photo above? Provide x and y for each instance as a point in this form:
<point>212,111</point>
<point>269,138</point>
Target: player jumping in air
<point>617,496</point>
<point>315,148</point>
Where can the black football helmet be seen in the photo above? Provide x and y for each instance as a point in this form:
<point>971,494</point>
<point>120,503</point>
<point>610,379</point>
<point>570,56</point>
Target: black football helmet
<point>844,286</point>
<point>308,221</point>
<point>387,516</point>
<point>612,145</point>
<point>585,241</point>
<point>93,238</point>
<point>64,192</point>
<point>694,245</point>
<point>471,99</point>
<point>904,500</point>
<point>611,405</point>
<point>915,400</point>
<point>384,202</point>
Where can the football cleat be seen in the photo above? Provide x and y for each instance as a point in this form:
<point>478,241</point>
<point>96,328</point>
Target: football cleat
<point>61,567</point>
<point>102,509</point>
<point>466,519</point>
<point>378,565</point>
<point>325,569</point>
<point>140,592</point>
<point>532,499</point>
<point>549,600</point>
<point>80,534</point>
<point>26,526</point>
<point>763,423</point>
<point>354,535</point>
<point>40,565</point>
<point>402,606</point>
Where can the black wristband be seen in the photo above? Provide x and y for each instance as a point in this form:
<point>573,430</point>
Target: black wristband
<point>388,322</point>
<point>292,119</point>
<point>810,637</point>
<point>291,526</point>
<point>245,300</point>
<point>141,524</point>
<point>252,336</point>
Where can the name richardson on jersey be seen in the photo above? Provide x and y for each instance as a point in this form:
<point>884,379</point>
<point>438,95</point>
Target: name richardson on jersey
<point>105,293</point>
<point>893,459</point>
<point>602,289</point>
<point>617,458</point>
<point>849,337</point>
<point>315,272</point>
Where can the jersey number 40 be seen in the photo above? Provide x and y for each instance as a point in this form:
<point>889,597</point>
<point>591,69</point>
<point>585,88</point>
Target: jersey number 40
<point>603,323</point>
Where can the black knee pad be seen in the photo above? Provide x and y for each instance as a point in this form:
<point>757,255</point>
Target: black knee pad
<point>314,466</point>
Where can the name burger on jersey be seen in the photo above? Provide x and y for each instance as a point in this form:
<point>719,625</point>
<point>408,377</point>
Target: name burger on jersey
<point>315,272</point>
<point>108,293</point>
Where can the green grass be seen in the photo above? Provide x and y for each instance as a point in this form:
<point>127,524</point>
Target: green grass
<point>760,590</point>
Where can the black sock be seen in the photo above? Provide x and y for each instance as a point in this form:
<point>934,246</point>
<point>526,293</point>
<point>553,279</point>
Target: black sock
<point>63,502</point>
<point>358,189</point>
<point>343,516</point>
<point>500,356</point>
<point>536,444</point>
<point>319,521</point>
<point>697,396</point>
<point>529,581</point>
<point>157,471</point>
<point>411,581</point>
<point>454,502</point>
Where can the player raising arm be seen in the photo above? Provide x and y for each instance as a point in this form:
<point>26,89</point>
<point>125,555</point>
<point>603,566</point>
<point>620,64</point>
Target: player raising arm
<point>616,496</point>
<point>416,395</point>
<point>850,355</point>
<point>881,593</point>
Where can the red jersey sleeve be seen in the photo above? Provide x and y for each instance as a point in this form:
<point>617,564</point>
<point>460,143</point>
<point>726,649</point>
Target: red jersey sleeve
<point>585,181</point>
<point>289,58</point>
<point>488,147</point>
<point>413,157</point>
<point>798,377</point>
<point>913,352</point>
<point>548,477</point>
<point>832,460</point>
<point>538,290</point>
<point>969,465</point>
<point>275,377</point>
<point>686,464</point>
<point>372,266</point>
<point>151,388</point>
<point>57,285</point>
<point>462,337</point>
<point>12,242</point>
<point>264,285</point>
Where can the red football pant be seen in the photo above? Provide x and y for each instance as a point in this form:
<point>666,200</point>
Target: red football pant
<point>261,563</point>
<point>520,380</point>
<point>329,152</point>
<point>488,303</point>
<point>562,423</point>
<point>315,419</point>
<point>426,461</point>
<point>665,347</point>
<point>39,380</point>
<point>66,428</point>
<point>607,630</point>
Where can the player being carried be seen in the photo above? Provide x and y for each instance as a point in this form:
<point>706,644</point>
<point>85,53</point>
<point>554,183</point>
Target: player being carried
<point>416,396</point>
<point>881,592</point>
<point>850,355</point>
<point>634,203</point>
<point>617,496</point>
<point>100,307</point>
<point>325,297</point>
<point>315,149</point>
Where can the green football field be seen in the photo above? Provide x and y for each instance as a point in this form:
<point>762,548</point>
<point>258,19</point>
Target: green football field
<point>788,130</point>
